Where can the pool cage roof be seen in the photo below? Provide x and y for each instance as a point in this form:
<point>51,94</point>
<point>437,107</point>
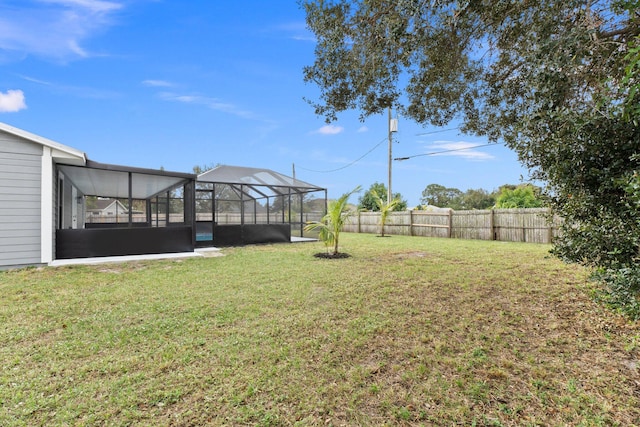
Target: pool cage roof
<point>257,183</point>
<point>105,180</point>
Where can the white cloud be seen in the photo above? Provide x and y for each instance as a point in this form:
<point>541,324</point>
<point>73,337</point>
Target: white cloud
<point>12,101</point>
<point>157,83</point>
<point>363,129</point>
<point>330,130</point>
<point>55,29</point>
<point>34,80</point>
<point>297,31</point>
<point>293,26</point>
<point>75,48</point>
<point>304,38</point>
<point>77,91</point>
<point>462,149</point>
<point>212,103</point>
<point>96,6</point>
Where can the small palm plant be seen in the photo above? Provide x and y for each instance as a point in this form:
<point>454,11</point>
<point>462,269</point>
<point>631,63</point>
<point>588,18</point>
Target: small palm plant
<point>385,208</point>
<point>331,224</point>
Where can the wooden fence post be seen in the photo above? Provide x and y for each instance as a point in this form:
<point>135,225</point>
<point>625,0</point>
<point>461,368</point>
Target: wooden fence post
<point>411,223</point>
<point>450,232</point>
<point>492,224</point>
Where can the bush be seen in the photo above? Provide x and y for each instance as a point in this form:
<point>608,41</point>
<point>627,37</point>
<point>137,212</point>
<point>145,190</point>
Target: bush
<point>621,289</point>
<point>523,196</point>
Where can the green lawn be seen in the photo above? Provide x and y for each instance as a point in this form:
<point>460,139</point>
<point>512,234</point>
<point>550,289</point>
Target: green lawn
<point>408,330</point>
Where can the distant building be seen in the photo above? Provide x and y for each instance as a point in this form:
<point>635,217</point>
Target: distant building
<point>107,207</point>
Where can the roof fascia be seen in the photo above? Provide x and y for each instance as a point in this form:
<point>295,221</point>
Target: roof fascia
<point>118,168</point>
<point>59,151</point>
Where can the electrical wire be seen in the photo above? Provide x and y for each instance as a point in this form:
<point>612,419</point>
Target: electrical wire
<point>350,164</point>
<point>436,131</point>
<point>441,152</point>
<point>397,158</point>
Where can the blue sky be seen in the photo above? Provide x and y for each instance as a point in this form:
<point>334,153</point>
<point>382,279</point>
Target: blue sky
<point>173,84</point>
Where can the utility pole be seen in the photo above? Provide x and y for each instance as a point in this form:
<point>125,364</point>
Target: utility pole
<point>390,160</point>
<point>393,127</point>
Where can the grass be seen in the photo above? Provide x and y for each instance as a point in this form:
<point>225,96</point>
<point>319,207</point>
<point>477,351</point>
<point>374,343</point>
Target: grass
<point>408,331</point>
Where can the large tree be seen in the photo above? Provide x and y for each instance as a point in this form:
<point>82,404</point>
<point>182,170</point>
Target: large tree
<point>488,63</point>
<point>477,199</point>
<point>547,78</point>
<point>441,196</point>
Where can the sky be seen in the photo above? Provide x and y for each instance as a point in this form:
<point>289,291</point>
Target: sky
<point>175,84</point>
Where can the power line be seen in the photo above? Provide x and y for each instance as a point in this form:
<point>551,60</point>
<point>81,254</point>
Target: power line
<point>441,152</point>
<point>436,131</point>
<point>350,164</point>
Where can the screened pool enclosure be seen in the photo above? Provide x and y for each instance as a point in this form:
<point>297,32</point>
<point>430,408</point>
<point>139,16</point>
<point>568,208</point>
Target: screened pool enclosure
<point>109,210</point>
<point>239,205</point>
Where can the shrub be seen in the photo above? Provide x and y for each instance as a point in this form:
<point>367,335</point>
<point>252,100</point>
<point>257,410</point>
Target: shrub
<point>621,289</point>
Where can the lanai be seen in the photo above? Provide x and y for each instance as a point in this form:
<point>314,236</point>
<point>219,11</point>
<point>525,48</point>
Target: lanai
<point>159,218</point>
<point>240,205</point>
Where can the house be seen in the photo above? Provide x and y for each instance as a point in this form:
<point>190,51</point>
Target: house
<point>28,200</point>
<point>52,194</point>
<point>43,190</point>
<point>106,207</point>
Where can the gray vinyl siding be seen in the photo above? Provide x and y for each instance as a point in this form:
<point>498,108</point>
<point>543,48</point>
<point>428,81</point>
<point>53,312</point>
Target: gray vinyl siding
<point>20,180</point>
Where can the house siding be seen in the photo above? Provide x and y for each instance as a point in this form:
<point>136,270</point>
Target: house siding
<point>20,206</point>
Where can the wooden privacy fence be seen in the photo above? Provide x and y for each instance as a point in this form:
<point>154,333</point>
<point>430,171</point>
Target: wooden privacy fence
<point>508,225</point>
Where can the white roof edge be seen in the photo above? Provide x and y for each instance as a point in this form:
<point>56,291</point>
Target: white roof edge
<point>66,150</point>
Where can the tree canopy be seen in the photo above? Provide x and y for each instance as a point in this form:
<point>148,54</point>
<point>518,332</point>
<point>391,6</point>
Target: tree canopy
<point>441,196</point>
<point>488,63</point>
<point>507,196</point>
<point>522,196</point>
<point>544,77</point>
<point>477,199</point>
